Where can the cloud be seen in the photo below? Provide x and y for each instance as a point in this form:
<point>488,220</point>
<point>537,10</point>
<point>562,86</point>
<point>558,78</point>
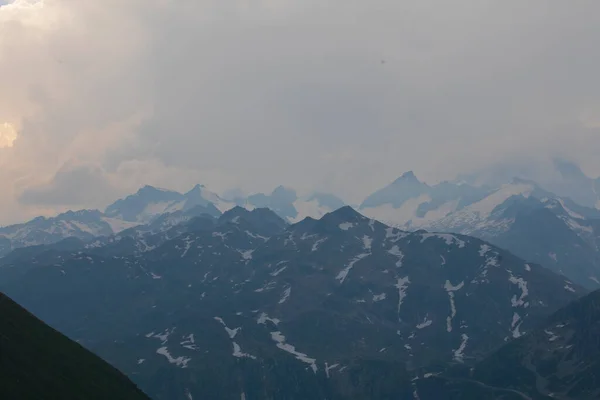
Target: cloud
<point>339,96</point>
<point>73,185</point>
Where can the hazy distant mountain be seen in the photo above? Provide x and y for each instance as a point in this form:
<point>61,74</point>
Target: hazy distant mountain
<point>520,216</point>
<point>286,203</point>
<point>249,307</point>
<point>535,225</point>
<point>573,183</point>
<point>37,362</point>
<point>411,204</point>
<point>562,177</point>
<point>84,225</point>
<point>148,210</point>
<point>150,202</point>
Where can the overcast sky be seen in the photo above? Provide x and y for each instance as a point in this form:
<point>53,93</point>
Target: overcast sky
<point>341,96</point>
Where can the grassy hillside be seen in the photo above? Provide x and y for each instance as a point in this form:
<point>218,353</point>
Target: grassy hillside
<point>37,362</point>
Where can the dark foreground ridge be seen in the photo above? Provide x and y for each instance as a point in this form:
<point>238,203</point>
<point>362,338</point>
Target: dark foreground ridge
<point>37,362</point>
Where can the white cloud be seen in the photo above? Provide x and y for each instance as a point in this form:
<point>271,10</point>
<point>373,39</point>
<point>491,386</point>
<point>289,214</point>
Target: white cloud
<point>257,93</point>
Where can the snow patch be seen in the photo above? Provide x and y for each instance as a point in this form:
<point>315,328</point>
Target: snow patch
<point>451,289</point>
<point>263,318</point>
<point>459,354</point>
<point>189,342</point>
<point>346,226</point>
<point>341,277</point>
<point>393,234</point>
<point>286,295</point>
<point>220,234</point>
<point>401,285</point>
<point>246,254</point>
<point>256,236</point>
<point>571,213</point>
<point>552,337</point>
<point>395,251</point>
<point>379,297</point>
<point>188,244</point>
<point>569,288</point>
<point>484,207</point>
<point>515,325</point>
<point>522,283</point>
<point>406,213</point>
<point>484,249</point>
<point>426,322</point>
<point>179,361</point>
<point>329,368</point>
<point>367,242</point>
<point>316,245</point>
<point>281,344</point>
<point>118,225</point>
<point>163,337</point>
<point>280,270</point>
<point>237,352</point>
<point>447,237</point>
<point>231,332</point>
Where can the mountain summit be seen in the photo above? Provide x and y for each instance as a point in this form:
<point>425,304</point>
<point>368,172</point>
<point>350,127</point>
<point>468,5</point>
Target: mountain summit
<point>408,176</point>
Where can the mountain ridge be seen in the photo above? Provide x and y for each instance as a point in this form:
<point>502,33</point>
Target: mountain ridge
<point>38,362</point>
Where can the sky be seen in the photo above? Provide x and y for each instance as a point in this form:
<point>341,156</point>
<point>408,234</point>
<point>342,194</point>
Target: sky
<point>101,97</point>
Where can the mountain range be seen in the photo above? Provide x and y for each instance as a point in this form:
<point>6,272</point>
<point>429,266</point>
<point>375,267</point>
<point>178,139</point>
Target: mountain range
<point>157,209</point>
<point>519,215</point>
<point>246,305</point>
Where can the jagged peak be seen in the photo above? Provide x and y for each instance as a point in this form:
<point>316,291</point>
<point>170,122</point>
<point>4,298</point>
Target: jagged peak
<point>343,214</point>
<point>261,213</point>
<point>234,212</point>
<point>196,188</point>
<point>408,176</point>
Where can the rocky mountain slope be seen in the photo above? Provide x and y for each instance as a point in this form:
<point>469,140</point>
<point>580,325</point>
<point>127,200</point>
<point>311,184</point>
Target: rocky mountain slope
<point>247,306</point>
<point>36,362</point>
<point>557,360</point>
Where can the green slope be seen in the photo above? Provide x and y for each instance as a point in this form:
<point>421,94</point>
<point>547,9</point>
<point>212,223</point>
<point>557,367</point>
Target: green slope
<point>37,362</point>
